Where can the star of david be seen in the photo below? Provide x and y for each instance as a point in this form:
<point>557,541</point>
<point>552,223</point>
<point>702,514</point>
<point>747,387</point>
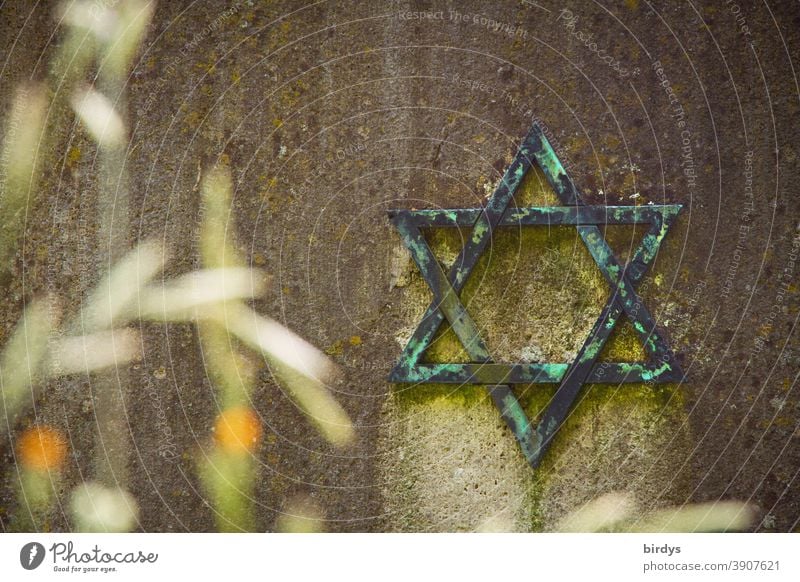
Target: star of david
<point>660,365</point>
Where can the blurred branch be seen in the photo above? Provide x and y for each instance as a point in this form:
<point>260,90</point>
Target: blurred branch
<point>217,248</point>
<point>215,298</point>
<point>229,480</point>
<point>40,454</point>
<point>103,112</point>
<point>124,38</point>
<point>22,358</point>
<point>302,368</point>
<point>228,474</point>
<point>18,168</point>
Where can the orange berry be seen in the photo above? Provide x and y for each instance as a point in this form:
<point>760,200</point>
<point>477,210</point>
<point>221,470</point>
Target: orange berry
<point>42,448</point>
<point>237,430</point>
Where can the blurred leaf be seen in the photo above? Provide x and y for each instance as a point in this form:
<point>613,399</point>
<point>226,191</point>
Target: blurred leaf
<point>22,358</point>
<point>275,341</point>
<point>93,17</point>
<point>604,513</point>
<point>322,409</point>
<point>703,517</point>
<point>98,115</point>
<point>618,512</point>
<point>301,515</point>
<point>89,353</point>
<point>180,298</point>
<point>97,508</point>
<point>114,296</point>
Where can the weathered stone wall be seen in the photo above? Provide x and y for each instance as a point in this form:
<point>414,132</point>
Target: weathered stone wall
<point>331,113</point>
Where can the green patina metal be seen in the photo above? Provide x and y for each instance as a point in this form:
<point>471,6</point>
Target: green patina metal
<point>660,365</point>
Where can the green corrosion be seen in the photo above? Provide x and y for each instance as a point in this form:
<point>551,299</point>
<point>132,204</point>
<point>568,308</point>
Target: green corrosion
<point>451,305</point>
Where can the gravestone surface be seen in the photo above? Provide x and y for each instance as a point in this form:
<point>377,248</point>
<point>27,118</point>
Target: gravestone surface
<point>329,114</point>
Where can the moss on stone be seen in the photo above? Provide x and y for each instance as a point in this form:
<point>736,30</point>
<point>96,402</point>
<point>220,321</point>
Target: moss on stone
<point>441,395</point>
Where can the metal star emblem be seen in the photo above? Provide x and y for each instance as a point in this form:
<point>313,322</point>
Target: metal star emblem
<point>661,365</point>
